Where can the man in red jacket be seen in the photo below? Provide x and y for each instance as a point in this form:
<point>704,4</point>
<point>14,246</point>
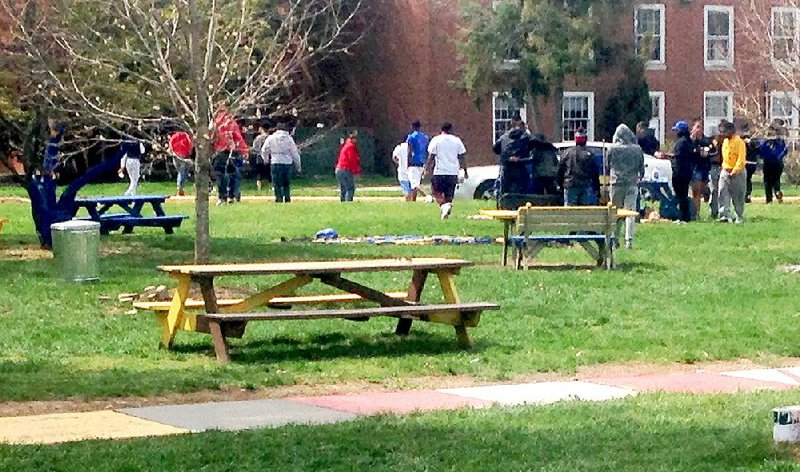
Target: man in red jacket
<point>348,165</point>
<point>229,149</point>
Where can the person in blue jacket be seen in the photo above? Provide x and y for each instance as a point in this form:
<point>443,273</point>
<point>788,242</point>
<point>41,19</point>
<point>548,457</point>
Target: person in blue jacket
<point>773,150</point>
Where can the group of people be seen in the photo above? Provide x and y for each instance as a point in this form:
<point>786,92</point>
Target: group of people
<point>720,168</point>
<point>443,158</point>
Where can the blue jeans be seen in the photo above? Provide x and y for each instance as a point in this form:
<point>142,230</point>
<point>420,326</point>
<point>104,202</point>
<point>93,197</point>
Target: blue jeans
<point>182,166</point>
<point>580,196</point>
<point>281,180</point>
<point>229,185</point>
<point>347,184</point>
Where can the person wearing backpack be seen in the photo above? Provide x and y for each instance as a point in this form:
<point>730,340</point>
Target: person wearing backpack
<point>773,151</point>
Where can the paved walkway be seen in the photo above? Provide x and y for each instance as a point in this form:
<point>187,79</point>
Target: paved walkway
<point>239,415</point>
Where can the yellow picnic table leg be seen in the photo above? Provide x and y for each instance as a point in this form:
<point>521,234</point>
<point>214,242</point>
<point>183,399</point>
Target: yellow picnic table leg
<point>448,283</point>
<point>174,319</point>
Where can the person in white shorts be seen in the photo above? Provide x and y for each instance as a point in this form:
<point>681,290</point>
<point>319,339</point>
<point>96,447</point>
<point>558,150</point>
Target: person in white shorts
<point>400,158</point>
<point>447,156</point>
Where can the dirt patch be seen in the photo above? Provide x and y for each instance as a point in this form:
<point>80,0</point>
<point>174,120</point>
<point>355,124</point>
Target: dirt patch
<point>25,253</point>
<point>388,385</point>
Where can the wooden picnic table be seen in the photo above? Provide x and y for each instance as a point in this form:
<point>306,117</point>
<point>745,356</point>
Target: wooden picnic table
<point>509,219</point>
<point>98,207</point>
<point>329,273</point>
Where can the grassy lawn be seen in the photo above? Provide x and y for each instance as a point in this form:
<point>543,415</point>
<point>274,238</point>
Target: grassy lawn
<point>652,433</point>
<point>689,293</point>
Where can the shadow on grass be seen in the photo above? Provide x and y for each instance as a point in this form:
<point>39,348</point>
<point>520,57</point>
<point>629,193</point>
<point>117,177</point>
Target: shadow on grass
<point>331,346</point>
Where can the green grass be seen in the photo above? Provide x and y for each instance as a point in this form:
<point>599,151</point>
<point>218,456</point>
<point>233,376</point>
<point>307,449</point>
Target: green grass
<point>691,293</point>
<point>652,433</point>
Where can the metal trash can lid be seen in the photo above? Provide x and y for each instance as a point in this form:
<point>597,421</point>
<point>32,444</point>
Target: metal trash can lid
<point>75,225</point>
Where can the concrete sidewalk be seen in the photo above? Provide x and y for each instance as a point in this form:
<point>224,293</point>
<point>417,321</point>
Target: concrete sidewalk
<point>240,415</point>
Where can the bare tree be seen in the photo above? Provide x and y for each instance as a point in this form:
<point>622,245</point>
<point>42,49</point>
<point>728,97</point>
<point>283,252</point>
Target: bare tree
<point>148,63</point>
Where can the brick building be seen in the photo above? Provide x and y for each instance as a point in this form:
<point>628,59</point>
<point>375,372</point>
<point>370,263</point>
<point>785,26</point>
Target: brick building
<point>700,63</point>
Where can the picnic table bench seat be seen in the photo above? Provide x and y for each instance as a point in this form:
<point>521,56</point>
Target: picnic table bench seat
<point>128,222</point>
<point>467,314</point>
<point>537,226</point>
<point>195,303</point>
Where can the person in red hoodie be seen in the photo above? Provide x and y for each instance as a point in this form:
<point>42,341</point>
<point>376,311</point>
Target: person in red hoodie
<point>229,149</point>
<point>348,166</point>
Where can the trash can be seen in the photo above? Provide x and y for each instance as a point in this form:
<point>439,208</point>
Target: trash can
<point>76,247</point>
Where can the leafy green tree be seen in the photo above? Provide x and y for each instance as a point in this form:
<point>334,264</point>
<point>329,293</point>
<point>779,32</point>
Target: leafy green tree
<point>531,47</point>
<point>631,103</point>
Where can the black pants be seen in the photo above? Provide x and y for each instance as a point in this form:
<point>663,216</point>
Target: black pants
<point>680,183</point>
<point>281,180</point>
<point>772,178</point>
<point>750,169</point>
<point>515,178</point>
<point>443,188</point>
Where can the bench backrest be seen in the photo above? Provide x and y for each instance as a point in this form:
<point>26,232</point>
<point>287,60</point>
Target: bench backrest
<point>566,220</point>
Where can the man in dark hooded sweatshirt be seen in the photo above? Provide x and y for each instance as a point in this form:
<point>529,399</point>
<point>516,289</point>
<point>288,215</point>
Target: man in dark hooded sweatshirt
<point>626,163</point>
<point>578,173</point>
<point>683,161</point>
<point>545,165</point>
<point>513,147</point>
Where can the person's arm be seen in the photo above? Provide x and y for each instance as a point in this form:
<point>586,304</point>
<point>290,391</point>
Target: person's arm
<point>265,149</point>
<point>462,162</point>
<point>298,162</point>
<point>409,150</point>
<point>741,156</point>
<point>641,166</point>
<point>497,148</point>
<point>429,165</point>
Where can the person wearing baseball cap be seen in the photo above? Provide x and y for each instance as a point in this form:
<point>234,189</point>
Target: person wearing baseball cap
<point>732,179</point>
<point>578,173</point>
<point>682,157</point>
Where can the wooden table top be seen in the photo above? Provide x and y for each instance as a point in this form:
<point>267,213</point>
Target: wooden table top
<point>122,199</point>
<point>512,214</point>
<point>316,267</point>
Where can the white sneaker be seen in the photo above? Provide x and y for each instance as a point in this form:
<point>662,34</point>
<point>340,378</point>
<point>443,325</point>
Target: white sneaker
<point>429,199</point>
<point>446,209</point>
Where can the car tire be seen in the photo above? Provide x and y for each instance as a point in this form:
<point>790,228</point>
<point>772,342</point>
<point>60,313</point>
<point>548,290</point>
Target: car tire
<point>485,191</point>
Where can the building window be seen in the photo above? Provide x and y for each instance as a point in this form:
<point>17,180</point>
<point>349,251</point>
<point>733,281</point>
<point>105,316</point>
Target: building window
<point>718,36</point>
<point>577,113</point>
<point>785,34</point>
<point>505,107</point>
<point>717,106</point>
<point>784,106</point>
<point>657,118</point>
<point>649,27</point>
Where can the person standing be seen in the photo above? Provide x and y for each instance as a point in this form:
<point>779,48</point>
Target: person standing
<point>773,150</point>
<point>417,156</point>
<point>181,147</point>
<point>513,147</point>
<point>400,158</point>
<point>545,165</point>
<point>280,151</point>
<point>626,164</point>
<point>229,150</point>
<point>682,168</point>
<point>257,162</point>
<point>704,152</point>
<point>732,179</point>
<point>447,156</point>
<point>348,166</point>
<point>646,139</point>
<point>751,164</point>
<point>578,173</point>
<point>133,152</point>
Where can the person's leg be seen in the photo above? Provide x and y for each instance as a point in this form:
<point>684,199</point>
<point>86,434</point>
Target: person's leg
<point>724,196</point>
<point>437,189</point>
<point>222,187</point>
<point>739,195</point>
<point>750,170</point>
<point>236,185</point>
<point>351,193</point>
<point>769,180</point>
<point>570,197</point>
<point>777,183</point>
<point>713,190</point>
<point>132,166</point>
<point>279,178</point>
<point>681,185</point>
<point>287,184</point>
<point>589,197</point>
<point>340,179</point>
<point>698,189</point>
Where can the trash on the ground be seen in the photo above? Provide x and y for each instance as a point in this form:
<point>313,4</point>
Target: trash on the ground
<point>326,234</point>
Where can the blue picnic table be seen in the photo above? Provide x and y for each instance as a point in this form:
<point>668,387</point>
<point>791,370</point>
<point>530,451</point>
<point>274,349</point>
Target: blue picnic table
<point>98,208</point>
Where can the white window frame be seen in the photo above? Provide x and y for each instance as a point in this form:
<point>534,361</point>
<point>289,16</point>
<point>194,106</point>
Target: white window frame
<point>661,97</point>
<point>793,119</point>
<point>710,127</point>
<point>793,55</point>
<point>590,118</point>
<point>495,96</point>
<point>726,63</point>
<point>662,44</point>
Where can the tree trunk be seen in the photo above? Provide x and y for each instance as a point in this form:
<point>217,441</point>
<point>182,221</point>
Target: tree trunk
<point>202,137</point>
<point>558,113</point>
<point>532,107</point>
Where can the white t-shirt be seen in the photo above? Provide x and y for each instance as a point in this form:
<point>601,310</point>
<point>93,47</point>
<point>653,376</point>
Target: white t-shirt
<point>400,154</point>
<point>447,149</point>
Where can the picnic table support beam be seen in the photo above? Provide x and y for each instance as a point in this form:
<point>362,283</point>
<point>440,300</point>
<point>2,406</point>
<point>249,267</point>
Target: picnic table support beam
<point>174,319</point>
<point>448,283</point>
<point>221,349</point>
<point>415,287</point>
<point>337,281</point>
<point>598,253</point>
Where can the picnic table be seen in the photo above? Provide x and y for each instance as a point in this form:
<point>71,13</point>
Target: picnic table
<point>228,318</point>
<point>509,219</point>
<point>98,207</point>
